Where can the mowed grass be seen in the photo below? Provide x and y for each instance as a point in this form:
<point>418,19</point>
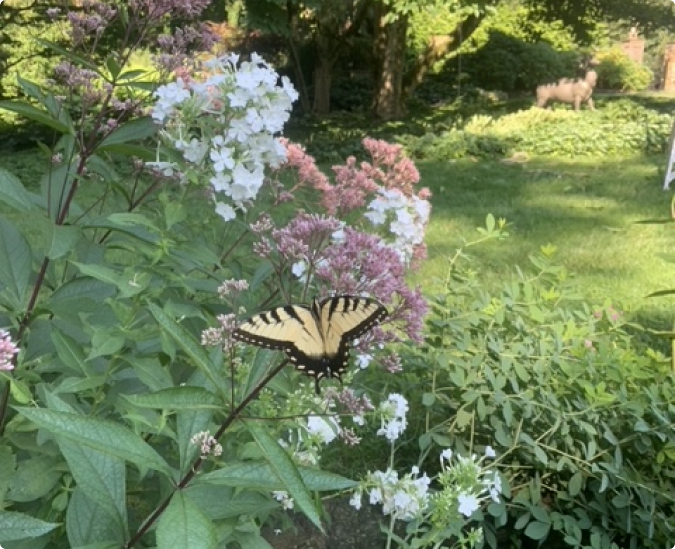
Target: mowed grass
<point>588,209</point>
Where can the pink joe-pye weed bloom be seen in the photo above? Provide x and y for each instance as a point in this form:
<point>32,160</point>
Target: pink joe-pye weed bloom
<point>8,349</point>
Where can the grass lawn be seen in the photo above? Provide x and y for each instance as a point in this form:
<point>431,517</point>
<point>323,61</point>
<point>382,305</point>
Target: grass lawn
<point>586,208</point>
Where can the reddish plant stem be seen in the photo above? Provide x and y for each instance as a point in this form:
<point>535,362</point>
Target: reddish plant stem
<point>233,415</point>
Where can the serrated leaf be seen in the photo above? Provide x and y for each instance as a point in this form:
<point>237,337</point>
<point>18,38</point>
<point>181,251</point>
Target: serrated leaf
<point>260,476</point>
<point>219,502</point>
<point>178,398</point>
<point>184,524</point>
<point>134,130</point>
<point>286,471</point>
<point>16,260</point>
<point>62,240</point>
<point>15,526</point>
<point>87,523</point>
<point>33,479</point>
<point>104,343</point>
<point>187,342</point>
<point>35,114</point>
<point>69,351</point>
<point>13,193</point>
<point>103,435</point>
<point>102,478</point>
<point>99,272</point>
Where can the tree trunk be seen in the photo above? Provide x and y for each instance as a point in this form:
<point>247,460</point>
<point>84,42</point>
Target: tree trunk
<point>440,47</point>
<point>390,58</point>
<point>322,83</point>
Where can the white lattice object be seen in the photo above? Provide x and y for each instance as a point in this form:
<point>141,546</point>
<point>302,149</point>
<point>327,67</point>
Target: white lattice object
<point>670,168</point>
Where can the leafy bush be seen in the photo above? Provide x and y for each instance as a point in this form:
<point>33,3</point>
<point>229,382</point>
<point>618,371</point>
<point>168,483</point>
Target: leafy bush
<point>508,64</point>
<point>580,418</point>
<point>616,71</point>
<point>621,127</point>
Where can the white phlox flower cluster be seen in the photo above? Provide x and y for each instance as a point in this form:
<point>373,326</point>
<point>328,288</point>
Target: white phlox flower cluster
<point>283,497</point>
<point>393,416</point>
<point>326,429</point>
<point>304,443</point>
<point>403,499</point>
<point>224,126</point>
<point>466,485</point>
<point>407,219</point>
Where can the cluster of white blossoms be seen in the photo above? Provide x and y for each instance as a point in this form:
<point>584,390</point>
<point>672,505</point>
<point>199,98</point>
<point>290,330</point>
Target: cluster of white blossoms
<point>224,125</point>
<point>404,499</point>
<point>466,484</point>
<point>406,216</point>
<point>393,416</point>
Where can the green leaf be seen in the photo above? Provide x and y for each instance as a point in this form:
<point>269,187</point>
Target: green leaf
<point>260,476</point>
<point>152,374</point>
<point>104,342</point>
<point>428,399</point>
<point>13,193</point>
<point>103,435</point>
<point>37,115</point>
<point>131,75</point>
<point>87,523</point>
<point>63,240</point>
<point>541,455</point>
<point>102,478</point>
<point>184,524</point>
<point>69,351</point>
<point>219,502</point>
<point>178,398</point>
<point>575,484</point>
<point>68,54</point>
<point>134,130</point>
<point>188,343</point>
<point>661,293</point>
<point>78,289</point>
<point>251,540</point>
<point>16,260</point>
<point>99,272</point>
<point>284,468</point>
<point>537,530</point>
<point>7,466</point>
<point>34,478</point>
<point>113,66</point>
<point>16,526</point>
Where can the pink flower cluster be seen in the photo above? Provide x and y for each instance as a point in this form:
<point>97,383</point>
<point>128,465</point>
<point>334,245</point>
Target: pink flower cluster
<point>7,351</point>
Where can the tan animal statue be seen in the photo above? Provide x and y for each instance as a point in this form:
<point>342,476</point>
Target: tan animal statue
<point>574,92</point>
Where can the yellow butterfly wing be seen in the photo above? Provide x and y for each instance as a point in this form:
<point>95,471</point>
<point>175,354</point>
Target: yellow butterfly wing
<point>317,338</point>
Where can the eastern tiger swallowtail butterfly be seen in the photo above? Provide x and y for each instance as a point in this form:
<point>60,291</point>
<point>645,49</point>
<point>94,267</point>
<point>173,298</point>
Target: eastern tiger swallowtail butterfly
<point>315,338</point>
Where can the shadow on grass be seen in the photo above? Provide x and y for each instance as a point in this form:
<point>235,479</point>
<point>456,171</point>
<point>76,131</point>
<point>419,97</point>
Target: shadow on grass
<point>588,210</point>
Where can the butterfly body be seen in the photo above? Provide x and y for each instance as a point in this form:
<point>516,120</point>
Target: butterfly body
<point>315,338</point>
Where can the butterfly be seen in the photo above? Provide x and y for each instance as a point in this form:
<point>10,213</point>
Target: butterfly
<point>316,338</point>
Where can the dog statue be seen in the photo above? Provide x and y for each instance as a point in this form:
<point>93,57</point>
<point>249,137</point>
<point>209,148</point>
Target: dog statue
<point>574,92</point>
